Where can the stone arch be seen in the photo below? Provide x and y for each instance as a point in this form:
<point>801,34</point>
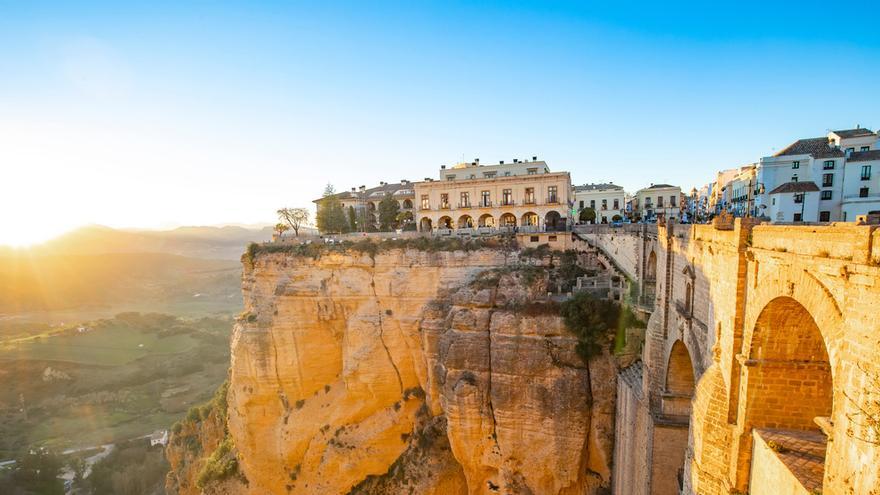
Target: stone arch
<point>680,371</point>
<point>486,220</point>
<point>651,267</point>
<point>553,220</point>
<point>507,220</point>
<point>786,347</point>
<point>444,222</point>
<point>425,224</point>
<point>786,380</point>
<point>465,222</point>
<point>675,412</point>
<point>371,206</point>
<point>407,203</point>
<point>529,219</point>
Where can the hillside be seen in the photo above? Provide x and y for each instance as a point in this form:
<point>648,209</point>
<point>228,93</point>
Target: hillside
<point>197,242</point>
<point>31,283</point>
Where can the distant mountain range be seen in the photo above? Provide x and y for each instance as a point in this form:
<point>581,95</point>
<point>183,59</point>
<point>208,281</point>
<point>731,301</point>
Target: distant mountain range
<point>226,243</point>
<point>98,266</point>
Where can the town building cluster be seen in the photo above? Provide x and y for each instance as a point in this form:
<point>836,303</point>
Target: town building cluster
<point>825,179</point>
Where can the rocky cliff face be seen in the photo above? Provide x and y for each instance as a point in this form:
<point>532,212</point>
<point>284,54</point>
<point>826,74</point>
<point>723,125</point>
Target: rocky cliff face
<point>410,371</point>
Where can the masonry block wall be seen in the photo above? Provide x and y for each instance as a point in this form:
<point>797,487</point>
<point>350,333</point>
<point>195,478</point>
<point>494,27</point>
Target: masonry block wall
<point>780,325</point>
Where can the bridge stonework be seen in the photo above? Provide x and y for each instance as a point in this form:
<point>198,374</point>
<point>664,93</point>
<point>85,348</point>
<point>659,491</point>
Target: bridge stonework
<point>754,330</point>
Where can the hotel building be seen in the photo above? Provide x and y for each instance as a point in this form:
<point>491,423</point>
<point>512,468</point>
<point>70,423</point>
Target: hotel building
<point>523,194</point>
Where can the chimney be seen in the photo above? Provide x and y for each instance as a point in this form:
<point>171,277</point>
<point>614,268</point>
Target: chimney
<point>442,167</point>
<point>534,158</point>
<point>404,181</point>
<point>515,160</point>
<point>352,189</point>
<point>476,160</point>
<point>501,162</point>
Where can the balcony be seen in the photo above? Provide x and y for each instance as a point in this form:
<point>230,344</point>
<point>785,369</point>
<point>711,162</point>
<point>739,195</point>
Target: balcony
<point>463,206</point>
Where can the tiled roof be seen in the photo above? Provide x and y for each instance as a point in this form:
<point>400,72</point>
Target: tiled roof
<point>658,186</point>
<point>816,147</point>
<point>397,189</point>
<point>796,187</point>
<point>597,187</point>
<point>864,156</point>
<point>851,133</point>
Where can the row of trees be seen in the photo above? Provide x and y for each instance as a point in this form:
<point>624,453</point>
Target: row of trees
<point>334,218</point>
<point>589,215</point>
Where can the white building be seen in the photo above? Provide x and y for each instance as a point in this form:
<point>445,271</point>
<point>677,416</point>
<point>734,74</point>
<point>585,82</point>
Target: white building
<point>607,200</point>
<point>794,202</point>
<point>834,164</point>
<point>658,200</point>
<point>861,184</point>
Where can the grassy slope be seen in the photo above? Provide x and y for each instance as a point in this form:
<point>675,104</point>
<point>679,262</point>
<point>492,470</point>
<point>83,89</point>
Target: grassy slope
<point>111,388</point>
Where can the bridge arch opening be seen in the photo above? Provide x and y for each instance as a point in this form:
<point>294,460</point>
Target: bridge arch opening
<point>788,380</point>
<point>678,393</point>
<point>651,268</point>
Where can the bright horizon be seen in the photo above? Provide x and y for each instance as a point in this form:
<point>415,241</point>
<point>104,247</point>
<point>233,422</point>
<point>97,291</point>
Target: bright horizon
<point>170,115</point>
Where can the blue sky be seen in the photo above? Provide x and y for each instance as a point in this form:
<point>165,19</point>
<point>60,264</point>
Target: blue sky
<point>164,114</point>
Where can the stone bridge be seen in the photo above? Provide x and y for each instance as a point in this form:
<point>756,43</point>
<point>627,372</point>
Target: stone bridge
<point>761,367</point>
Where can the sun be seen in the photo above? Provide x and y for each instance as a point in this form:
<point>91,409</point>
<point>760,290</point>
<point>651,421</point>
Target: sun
<point>24,234</point>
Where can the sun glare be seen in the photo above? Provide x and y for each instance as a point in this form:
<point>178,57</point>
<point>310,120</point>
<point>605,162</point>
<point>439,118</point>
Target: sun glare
<point>29,234</point>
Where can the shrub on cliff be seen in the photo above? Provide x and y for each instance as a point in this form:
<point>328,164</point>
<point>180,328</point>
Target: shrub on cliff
<point>222,464</point>
<point>595,322</point>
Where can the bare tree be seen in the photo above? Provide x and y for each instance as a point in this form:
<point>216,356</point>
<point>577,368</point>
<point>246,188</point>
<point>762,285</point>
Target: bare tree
<point>295,217</point>
<point>280,229</point>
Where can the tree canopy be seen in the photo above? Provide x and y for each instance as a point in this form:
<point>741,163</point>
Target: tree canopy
<point>388,210</point>
<point>294,217</point>
<point>588,215</point>
<point>331,216</point>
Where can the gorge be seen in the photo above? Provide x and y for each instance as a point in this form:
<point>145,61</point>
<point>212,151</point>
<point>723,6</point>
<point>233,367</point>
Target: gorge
<point>404,369</point>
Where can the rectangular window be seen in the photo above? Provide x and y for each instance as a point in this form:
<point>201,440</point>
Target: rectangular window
<point>532,171</point>
<point>824,216</point>
<point>829,165</point>
<point>604,204</point>
<point>799,198</point>
<point>826,195</point>
<point>827,180</point>
<point>797,217</point>
<point>866,172</point>
<point>450,177</point>
<point>444,201</point>
<point>507,174</point>
<point>795,164</point>
<point>485,199</point>
<point>551,194</point>
<point>530,195</point>
<point>489,175</point>
<point>507,197</point>
<point>849,151</point>
<point>593,204</point>
<point>865,148</point>
<point>672,201</point>
<point>863,192</point>
<point>533,238</point>
<point>426,205</point>
<point>659,201</point>
<point>794,178</point>
<point>581,204</point>
<point>465,200</point>
<point>551,238</point>
<point>616,204</point>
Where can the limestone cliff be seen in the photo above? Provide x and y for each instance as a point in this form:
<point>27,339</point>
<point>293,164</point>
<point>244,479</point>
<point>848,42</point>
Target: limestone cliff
<point>412,371</point>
